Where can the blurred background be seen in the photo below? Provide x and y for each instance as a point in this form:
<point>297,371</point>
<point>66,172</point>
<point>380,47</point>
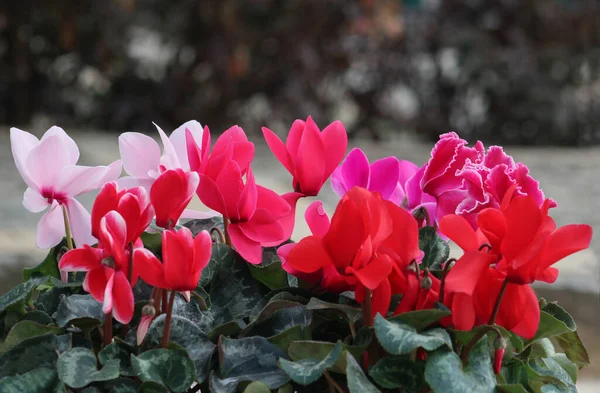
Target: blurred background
<point>521,73</point>
<point>505,71</point>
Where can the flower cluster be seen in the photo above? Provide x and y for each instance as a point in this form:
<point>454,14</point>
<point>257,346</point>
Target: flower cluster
<point>482,200</point>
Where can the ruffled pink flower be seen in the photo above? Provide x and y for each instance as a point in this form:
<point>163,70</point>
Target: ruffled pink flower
<point>144,162</point>
<point>107,267</point>
<point>49,169</point>
<point>309,154</point>
<point>466,180</point>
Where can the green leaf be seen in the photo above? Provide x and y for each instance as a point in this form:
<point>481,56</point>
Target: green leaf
<point>120,385</point>
<point>349,313</point>
<point>558,381</point>
<point>420,319</point>
<point>307,371</point>
<point>49,300</point>
<point>574,348</point>
<point>279,321</point>
<point>436,250</point>
<point>269,271</point>
<point>251,359</point>
<point>357,380</point>
<point>61,284</point>
<point>511,388</point>
<point>287,388</point>
<point>300,350</point>
<point>120,351</point>
<point>229,329</point>
<point>28,355</point>
<point>78,368</point>
<point>38,316</point>
<point>233,291</point>
<point>174,369</point>
<point>204,224</point>
<point>465,337</point>
<point>554,321</point>
<point>152,241</point>
<point>34,381</point>
<point>567,365</point>
<point>257,387</point>
<point>48,267</point>
<point>20,292</point>
<point>398,338</point>
<point>79,310</point>
<point>285,338</point>
<point>444,371</point>
<point>186,334</point>
<point>542,348</point>
<point>398,372</point>
<point>152,387</point>
<point>23,330</point>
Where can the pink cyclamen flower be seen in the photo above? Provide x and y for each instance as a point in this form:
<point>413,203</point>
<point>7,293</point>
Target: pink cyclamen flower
<point>49,169</point>
<point>107,267</point>
<point>381,176</point>
<point>171,193</point>
<point>466,180</point>
<point>309,154</point>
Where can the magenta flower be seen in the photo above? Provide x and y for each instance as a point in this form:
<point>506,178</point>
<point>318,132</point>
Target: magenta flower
<point>466,180</point>
<point>49,169</point>
<point>381,176</point>
<point>408,193</point>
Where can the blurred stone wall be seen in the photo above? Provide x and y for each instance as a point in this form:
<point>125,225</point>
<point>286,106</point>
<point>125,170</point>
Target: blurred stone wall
<point>508,71</point>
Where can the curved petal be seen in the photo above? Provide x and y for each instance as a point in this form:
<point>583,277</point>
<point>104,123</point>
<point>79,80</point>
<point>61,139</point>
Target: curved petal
<point>463,312</point>
<point>149,267</point>
<point>113,172</point>
<point>70,147</point>
<point>384,176</point>
<point>210,195</point>
<point>565,241</point>
<point>202,250</point>
<point>310,163</point>
<point>464,275</point>
<point>21,144</point>
<point>75,179</point>
<point>81,223</point>
<point>460,232</point>
<point>178,259</point>
<point>246,204</point>
<point>143,328</point>
<point>34,201</point>
<point>113,236</point>
<point>309,255</point>
<point>263,228</point>
<point>493,226</point>
<point>169,158</point>
<point>107,305</point>
<point>51,228</point>
<point>106,201</point>
<point>122,298</point>
<point>178,141</point>
<point>335,138</point>
<point>81,259</point>
<point>380,301</point>
<point>374,273</point>
<point>95,282</point>
<point>293,139</point>
<point>523,219</point>
<point>140,154</point>
<point>355,169</point>
<point>46,161</point>
<point>278,148</point>
<point>519,311</point>
<point>316,218</point>
<point>250,250</point>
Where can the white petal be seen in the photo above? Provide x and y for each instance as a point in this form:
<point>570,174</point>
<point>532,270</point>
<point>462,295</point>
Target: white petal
<point>21,144</point>
<point>169,157</point>
<point>179,144</point>
<point>51,228</point>
<point>71,149</point>
<point>195,214</point>
<point>77,179</point>
<point>113,172</point>
<point>46,162</point>
<point>130,182</point>
<point>34,201</point>
<point>81,223</point>
<point>140,154</point>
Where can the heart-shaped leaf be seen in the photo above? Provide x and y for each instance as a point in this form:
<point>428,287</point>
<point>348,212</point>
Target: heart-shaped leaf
<point>257,387</point>
<point>560,382</point>
<point>34,381</point>
<point>20,292</point>
<point>398,372</point>
<point>23,330</point>
<point>420,319</point>
<point>48,267</point>
<point>464,337</point>
<point>152,387</point>
<point>36,352</point>
<point>307,371</point>
<point>319,350</point>
<point>357,380</point>
<point>574,348</point>
<point>120,385</point>
<point>38,316</point>
<point>349,313</point>
<point>269,271</point>
<point>436,250</point>
<point>511,388</point>
<point>398,338</point>
<point>444,371</point>
<point>171,368</point>
<point>279,321</point>
<point>120,351</point>
<point>554,321</point>
<point>49,300</point>
<point>78,368</point>
<point>79,310</point>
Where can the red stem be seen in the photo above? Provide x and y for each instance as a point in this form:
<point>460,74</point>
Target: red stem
<point>167,329</point>
<point>107,328</point>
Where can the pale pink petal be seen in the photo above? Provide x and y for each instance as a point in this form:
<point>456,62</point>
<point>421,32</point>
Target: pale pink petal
<point>384,176</point>
<point>70,147</point>
<point>81,223</point>
<point>34,201</point>
<point>107,306</point>
<point>407,170</point>
<point>131,182</point>
<point>46,161</point>
<point>21,144</point>
<point>113,172</point>
<point>51,228</point>
<point>179,144</point>
<point>316,218</point>
<point>75,180</point>
<point>142,329</point>
<point>169,158</point>
<point>337,182</point>
<point>195,214</point>
<point>140,154</point>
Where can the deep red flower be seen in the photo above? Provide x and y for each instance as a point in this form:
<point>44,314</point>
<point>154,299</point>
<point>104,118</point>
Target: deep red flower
<point>107,267</point>
<point>309,154</point>
<point>183,260</point>
<point>170,194</point>
<point>132,204</point>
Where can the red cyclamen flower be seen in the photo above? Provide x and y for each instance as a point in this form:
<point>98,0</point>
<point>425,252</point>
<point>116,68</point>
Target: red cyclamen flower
<point>183,260</point>
<point>170,194</point>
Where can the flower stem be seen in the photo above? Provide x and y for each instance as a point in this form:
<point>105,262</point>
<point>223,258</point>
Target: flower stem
<point>67,228</point>
<point>367,309</point>
<point>164,301</point>
<point>226,230</point>
<point>167,330</point>
<point>130,267</point>
<point>107,328</point>
<point>333,385</point>
<point>444,274</point>
<point>465,352</point>
<point>219,233</point>
<point>498,301</point>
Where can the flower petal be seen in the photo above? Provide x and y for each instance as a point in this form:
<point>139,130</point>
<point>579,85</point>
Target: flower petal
<point>122,298</point>
<point>46,161</point>
<point>309,255</point>
<point>249,249</point>
<point>460,232</point>
<point>51,228</point>
<point>202,252</point>
<point>34,201</point>
<point>76,179</point>
<point>21,144</point>
<point>316,218</point>
<point>335,138</point>
<point>81,259</point>
<point>310,163</point>
<point>107,305</point>
<point>140,154</point>
<point>149,268</point>
<point>380,301</point>
<point>464,275</point>
<point>278,148</point>
<point>169,158</point>
<point>384,176</point>
<point>70,147</point>
<point>355,170</point>
<point>142,329</point>
<point>565,241</point>
<point>178,140</point>
<point>81,223</point>
<point>95,282</point>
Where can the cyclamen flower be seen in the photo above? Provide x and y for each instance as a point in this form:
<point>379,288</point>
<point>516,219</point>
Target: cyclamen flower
<point>107,267</point>
<point>466,180</point>
<point>49,169</point>
<point>257,216</point>
<point>183,260</point>
<point>171,193</point>
<point>309,155</point>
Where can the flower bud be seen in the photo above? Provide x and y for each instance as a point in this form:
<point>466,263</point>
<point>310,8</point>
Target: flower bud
<point>421,354</point>
<point>500,346</point>
<point>149,310</point>
<point>426,282</point>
